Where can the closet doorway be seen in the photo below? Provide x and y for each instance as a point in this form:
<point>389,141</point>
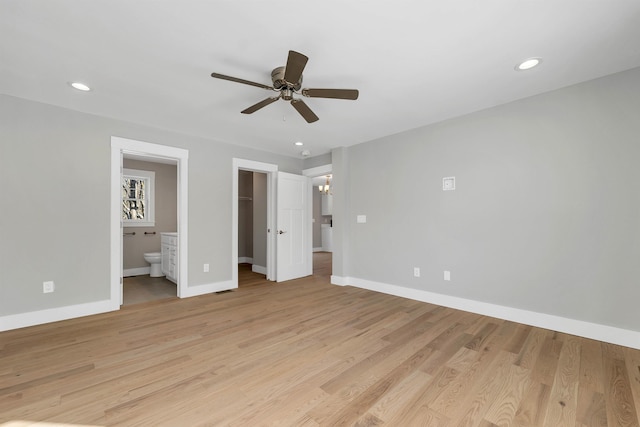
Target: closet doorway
<point>252,227</point>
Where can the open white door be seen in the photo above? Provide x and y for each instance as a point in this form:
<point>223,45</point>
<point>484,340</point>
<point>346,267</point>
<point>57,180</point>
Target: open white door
<point>293,233</point>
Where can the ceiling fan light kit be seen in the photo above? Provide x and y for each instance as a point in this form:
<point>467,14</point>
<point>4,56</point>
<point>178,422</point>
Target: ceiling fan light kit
<point>288,81</point>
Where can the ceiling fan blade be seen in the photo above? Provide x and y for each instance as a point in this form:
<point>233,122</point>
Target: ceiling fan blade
<point>331,93</point>
<point>237,80</point>
<point>295,66</point>
<point>259,105</point>
<point>304,110</point>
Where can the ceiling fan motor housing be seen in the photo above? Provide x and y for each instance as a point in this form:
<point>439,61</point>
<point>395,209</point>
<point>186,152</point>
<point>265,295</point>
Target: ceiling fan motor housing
<point>277,77</point>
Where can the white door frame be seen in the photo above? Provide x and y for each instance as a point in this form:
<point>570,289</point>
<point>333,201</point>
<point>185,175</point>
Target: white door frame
<point>120,146</point>
<point>318,171</point>
<point>270,170</point>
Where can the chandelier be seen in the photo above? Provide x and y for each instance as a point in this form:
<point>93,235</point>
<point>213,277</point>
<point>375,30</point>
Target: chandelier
<point>326,188</point>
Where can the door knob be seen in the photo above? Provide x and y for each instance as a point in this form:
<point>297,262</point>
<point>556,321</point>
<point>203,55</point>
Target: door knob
<point>281,232</point>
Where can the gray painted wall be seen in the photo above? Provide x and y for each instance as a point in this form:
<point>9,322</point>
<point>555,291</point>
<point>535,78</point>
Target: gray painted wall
<point>55,170</point>
<point>321,160</point>
<point>166,208</point>
<point>545,216</point>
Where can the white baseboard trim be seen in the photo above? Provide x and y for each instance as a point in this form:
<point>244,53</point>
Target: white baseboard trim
<point>610,334</point>
<point>208,288</point>
<point>245,260</point>
<point>318,249</point>
<point>23,320</point>
<point>340,281</point>
<point>259,269</point>
<point>138,271</point>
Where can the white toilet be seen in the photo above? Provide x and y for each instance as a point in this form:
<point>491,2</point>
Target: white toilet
<point>154,258</point>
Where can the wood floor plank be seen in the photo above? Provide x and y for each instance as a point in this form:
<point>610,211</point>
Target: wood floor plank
<point>475,404</point>
<point>546,365</point>
<point>528,355</point>
<point>307,353</point>
<point>533,406</point>
<point>591,374</point>
<point>424,394</point>
<point>447,403</point>
<point>427,417</point>
<point>632,361</point>
<point>591,410</point>
<point>397,398</point>
<point>503,408</point>
<point>621,407</point>
<point>563,401</point>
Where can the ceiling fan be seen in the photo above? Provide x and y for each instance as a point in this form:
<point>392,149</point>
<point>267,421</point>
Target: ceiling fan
<point>288,81</point>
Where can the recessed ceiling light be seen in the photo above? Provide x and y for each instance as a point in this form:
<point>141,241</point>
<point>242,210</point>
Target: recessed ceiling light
<point>298,143</point>
<point>528,64</point>
<point>80,86</point>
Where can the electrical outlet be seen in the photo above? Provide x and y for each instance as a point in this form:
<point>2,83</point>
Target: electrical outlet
<point>206,268</point>
<point>416,271</point>
<point>447,275</point>
<point>48,287</point>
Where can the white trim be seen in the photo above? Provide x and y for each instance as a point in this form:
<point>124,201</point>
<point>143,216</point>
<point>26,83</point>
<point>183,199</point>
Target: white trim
<point>23,320</point>
<point>259,269</point>
<point>340,281</point>
<point>318,171</point>
<point>207,288</point>
<point>270,170</point>
<point>610,334</point>
<point>320,249</point>
<point>119,147</point>
<point>245,260</point>
<point>138,271</point>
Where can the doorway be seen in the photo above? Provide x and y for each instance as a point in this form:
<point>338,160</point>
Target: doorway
<point>269,170</point>
<point>151,213</point>
<point>322,177</point>
<point>252,226</point>
<point>288,222</point>
<point>121,147</point>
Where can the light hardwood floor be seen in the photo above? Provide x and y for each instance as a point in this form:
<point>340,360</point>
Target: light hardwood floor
<point>307,353</point>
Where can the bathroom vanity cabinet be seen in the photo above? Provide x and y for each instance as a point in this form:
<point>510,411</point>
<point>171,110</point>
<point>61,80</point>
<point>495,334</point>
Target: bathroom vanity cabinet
<point>169,243</point>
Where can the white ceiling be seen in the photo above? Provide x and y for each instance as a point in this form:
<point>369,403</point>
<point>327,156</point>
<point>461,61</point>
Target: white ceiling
<point>414,62</point>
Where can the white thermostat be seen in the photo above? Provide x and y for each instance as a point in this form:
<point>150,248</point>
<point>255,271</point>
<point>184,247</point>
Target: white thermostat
<point>449,183</point>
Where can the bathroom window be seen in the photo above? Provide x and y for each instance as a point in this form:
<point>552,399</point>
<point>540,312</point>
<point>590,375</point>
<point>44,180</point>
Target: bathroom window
<point>138,198</point>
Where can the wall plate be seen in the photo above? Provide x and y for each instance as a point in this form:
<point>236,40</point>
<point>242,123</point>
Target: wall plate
<point>449,183</point>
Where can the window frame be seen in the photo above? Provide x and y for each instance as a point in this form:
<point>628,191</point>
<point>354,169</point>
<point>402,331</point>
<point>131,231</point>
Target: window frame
<point>149,178</point>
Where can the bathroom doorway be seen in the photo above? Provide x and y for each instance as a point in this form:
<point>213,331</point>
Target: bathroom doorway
<point>143,276</point>
<point>121,149</point>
